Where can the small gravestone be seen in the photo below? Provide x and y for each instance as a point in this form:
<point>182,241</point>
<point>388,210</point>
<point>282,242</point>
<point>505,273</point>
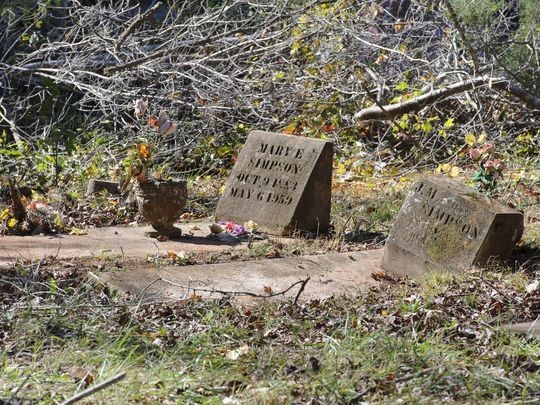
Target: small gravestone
<point>281,182</point>
<point>444,225</point>
<point>95,186</point>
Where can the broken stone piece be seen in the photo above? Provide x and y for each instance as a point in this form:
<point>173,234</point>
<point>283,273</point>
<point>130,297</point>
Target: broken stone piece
<point>444,225</point>
<point>95,186</point>
<point>281,182</point>
<point>531,328</point>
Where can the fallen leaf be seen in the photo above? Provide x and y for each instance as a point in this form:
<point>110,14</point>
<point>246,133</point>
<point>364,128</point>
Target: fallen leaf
<point>530,288</point>
<point>216,228</point>
<point>378,275</point>
<point>267,290</point>
<point>195,297</point>
<point>454,171</point>
<point>77,231</point>
<point>235,354</point>
<point>79,374</point>
<point>470,139</point>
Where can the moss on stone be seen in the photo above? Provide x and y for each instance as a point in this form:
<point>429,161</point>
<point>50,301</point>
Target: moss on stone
<point>446,245</point>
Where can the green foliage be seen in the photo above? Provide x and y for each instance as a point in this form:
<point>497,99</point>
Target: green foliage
<point>477,13</point>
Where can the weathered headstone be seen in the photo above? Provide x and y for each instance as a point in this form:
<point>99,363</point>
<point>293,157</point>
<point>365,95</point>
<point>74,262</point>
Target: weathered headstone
<point>281,182</point>
<point>95,186</point>
<point>444,225</point>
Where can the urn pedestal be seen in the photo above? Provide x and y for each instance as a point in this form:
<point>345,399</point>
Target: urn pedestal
<point>161,202</point>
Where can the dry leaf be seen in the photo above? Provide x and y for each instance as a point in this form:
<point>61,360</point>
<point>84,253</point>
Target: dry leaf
<point>267,290</point>
<point>79,374</point>
<point>378,275</point>
<point>237,353</point>
<point>77,231</point>
<point>216,228</point>
<point>530,288</point>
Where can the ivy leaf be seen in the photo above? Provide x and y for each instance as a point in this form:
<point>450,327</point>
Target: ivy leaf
<point>401,86</point>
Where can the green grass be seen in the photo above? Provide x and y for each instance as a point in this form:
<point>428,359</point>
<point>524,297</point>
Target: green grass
<point>440,339</point>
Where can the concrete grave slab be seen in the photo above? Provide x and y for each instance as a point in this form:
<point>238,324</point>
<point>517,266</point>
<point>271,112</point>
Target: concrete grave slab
<point>127,241</point>
<point>281,182</point>
<point>444,225</point>
<point>331,274</point>
<point>531,328</point>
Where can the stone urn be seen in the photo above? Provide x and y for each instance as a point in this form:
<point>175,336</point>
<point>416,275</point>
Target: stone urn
<point>161,202</point>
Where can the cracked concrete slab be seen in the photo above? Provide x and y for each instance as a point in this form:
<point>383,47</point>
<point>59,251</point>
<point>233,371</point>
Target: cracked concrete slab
<point>329,275</point>
<point>119,241</point>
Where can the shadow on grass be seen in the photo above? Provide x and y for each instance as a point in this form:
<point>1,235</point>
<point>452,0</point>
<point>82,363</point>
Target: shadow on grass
<point>367,237</point>
<point>527,257</point>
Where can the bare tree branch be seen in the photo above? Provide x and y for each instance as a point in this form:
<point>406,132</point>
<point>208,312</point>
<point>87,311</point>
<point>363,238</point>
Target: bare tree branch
<point>417,103</point>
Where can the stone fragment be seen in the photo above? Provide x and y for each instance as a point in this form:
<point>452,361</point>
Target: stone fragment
<point>531,328</point>
<point>95,186</point>
<point>281,182</point>
<point>444,225</point>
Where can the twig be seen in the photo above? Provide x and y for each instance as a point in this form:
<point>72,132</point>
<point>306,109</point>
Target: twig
<point>301,290</point>
<point>240,293</point>
<point>502,294</point>
<point>139,296</point>
<point>94,389</point>
<point>461,32</point>
<point>137,22</point>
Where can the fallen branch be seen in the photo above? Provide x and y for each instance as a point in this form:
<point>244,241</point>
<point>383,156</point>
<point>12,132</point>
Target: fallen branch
<point>245,293</point>
<point>94,389</point>
<point>391,111</point>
